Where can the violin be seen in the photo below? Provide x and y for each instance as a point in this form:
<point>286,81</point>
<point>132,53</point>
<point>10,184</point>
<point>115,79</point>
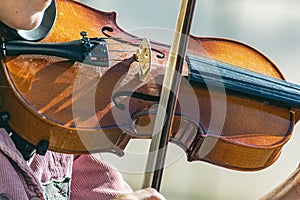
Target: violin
<point>89,86</point>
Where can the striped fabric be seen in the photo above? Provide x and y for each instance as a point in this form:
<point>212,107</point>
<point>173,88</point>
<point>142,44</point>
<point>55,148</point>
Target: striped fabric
<point>90,177</point>
<point>96,179</point>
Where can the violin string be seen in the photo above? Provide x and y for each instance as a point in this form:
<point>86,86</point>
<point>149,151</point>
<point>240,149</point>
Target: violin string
<point>121,51</point>
<point>119,40</point>
<point>153,43</point>
<point>118,60</point>
<point>157,44</point>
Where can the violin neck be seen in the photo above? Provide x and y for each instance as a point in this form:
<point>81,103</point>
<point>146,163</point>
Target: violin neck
<point>205,71</point>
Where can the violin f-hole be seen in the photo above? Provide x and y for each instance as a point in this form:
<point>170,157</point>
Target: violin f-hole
<point>105,29</point>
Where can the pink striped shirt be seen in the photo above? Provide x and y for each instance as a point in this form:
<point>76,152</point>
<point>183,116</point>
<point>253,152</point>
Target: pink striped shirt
<point>56,176</point>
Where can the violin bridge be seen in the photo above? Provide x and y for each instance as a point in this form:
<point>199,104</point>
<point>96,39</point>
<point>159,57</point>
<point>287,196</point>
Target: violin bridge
<point>143,55</point>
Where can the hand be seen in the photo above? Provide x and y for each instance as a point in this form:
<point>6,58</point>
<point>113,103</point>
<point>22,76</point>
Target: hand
<point>144,194</point>
<point>287,190</point>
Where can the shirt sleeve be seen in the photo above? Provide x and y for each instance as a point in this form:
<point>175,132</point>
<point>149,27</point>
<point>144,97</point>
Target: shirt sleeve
<point>10,183</point>
<point>93,179</point>
<point>16,178</point>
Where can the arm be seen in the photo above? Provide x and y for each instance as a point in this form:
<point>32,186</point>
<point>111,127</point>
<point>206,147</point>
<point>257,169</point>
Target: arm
<point>10,182</point>
<point>93,178</point>
<point>16,178</point>
<point>287,190</point>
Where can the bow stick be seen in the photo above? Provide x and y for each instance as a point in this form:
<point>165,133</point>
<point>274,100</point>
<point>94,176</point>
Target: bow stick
<point>167,104</point>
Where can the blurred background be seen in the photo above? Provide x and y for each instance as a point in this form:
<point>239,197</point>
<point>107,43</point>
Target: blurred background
<point>271,26</point>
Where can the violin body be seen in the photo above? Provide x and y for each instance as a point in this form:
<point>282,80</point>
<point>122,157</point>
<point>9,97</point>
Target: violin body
<point>74,106</point>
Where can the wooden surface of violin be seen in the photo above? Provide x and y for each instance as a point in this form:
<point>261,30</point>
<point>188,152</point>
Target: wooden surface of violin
<point>72,103</point>
<point>56,95</point>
